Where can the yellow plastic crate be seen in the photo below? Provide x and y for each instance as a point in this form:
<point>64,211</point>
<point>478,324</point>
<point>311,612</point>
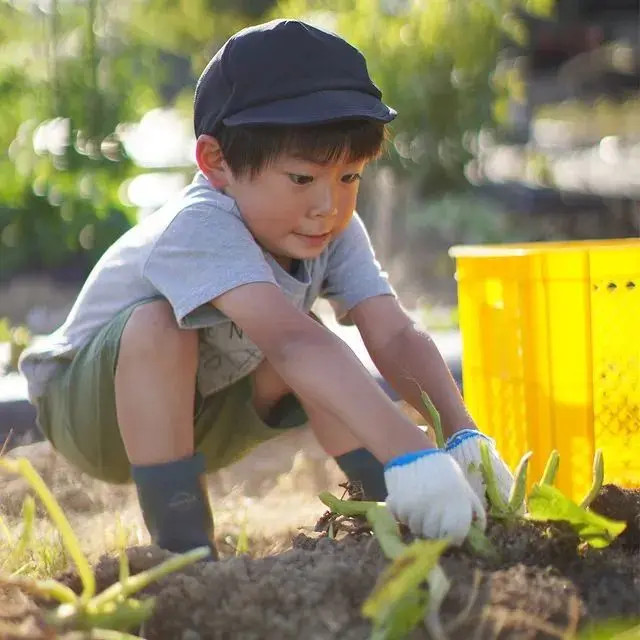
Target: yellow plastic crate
<point>551,353</point>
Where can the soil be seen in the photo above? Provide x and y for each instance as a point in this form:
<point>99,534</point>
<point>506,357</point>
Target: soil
<point>619,504</point>
<point>544,585</point>
<point>297,585</point>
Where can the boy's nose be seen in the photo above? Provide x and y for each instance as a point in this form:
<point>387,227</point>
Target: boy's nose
<point>326,204</point>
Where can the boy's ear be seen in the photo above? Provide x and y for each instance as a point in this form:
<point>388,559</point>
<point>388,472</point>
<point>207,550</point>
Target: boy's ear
<point>211,161</point>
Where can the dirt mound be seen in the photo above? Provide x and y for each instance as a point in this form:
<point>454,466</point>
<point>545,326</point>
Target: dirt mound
<point>544,585</point>
<point>269,494</point>
<point>619,504</point>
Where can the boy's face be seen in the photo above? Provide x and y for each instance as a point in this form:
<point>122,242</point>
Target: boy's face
<point>294,207</point>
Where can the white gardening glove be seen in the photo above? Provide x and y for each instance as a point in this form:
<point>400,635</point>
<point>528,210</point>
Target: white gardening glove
<point>427,491</point>
<point>464,448</point>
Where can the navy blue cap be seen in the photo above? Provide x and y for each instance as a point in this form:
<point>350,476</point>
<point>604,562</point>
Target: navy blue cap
<point>285,72</point>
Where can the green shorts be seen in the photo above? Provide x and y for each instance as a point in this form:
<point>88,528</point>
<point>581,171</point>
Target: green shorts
<point>77,414</point>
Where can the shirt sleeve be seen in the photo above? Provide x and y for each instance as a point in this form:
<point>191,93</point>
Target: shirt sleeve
<point>202,254</point>
<point>353,273</point>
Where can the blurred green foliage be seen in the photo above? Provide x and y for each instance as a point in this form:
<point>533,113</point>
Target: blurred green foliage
<point>437,63</point>
<point>64,91</point>
<point>72,72</point>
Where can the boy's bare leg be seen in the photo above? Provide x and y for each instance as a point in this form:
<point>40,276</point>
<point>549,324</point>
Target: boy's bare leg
<point>155,388</point>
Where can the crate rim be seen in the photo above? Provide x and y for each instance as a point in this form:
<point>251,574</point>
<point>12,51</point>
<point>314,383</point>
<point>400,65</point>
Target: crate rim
<point>518,249</point>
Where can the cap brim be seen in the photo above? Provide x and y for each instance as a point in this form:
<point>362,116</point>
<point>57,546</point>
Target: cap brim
<point>315,108</point>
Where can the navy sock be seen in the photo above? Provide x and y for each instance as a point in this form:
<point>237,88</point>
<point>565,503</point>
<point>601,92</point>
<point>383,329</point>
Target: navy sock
<point>361,466</point>
<point>282,408</point>
<point>175,505</point>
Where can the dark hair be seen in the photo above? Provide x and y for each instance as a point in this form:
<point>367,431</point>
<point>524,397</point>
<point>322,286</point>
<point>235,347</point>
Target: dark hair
<point>250,149</point>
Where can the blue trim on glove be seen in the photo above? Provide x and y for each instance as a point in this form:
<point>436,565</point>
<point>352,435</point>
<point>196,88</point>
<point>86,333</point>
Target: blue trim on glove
<point>465,434</point>
<point>408,458</point>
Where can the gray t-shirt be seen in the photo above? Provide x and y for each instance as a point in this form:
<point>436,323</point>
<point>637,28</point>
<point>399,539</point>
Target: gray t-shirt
<point>192,250</point>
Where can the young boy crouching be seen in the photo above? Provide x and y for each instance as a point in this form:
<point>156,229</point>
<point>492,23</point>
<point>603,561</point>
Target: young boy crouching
<point>191,341</point>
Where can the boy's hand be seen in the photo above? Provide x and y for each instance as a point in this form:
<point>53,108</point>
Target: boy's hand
<point>428,492</point>
<point>464,447</point>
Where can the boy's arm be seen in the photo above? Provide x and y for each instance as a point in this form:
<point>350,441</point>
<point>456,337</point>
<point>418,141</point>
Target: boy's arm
<point>426,488</point>
<point>321,369</point>
<point>410,361</point>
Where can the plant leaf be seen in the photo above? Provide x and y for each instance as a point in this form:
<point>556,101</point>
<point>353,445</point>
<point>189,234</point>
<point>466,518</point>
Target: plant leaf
<point>402,578</point>
<point>540,8</point>
<point>614,629</point>
<point>118,616</point>
<point>519,489</point>
<point>24,467</point>
<point>401,616</point>
<point>387,531</point>
<point>384,525</point>
<point>598,479</point>
<point>551,468</point>
<point>546,503</point>
<point>497,505</point>
<point>481,545</point>
<point>435,417</point>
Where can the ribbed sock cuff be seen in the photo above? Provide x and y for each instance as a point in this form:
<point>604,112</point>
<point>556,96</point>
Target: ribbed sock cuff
<point>174,503</point>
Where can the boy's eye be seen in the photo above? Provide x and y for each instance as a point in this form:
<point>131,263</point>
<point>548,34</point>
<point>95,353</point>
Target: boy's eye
<point>300,179</point>
<point>351,177</point>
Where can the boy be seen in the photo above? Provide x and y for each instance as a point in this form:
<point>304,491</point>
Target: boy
<point>191,340</point>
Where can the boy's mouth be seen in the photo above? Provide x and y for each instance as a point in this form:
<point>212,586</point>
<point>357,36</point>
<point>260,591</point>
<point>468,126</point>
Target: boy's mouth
<point>314,239</point>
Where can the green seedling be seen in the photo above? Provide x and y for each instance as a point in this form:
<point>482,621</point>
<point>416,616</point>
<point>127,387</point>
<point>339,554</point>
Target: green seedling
<point>548,504</point>
<point>598,479</point>
<point>615,629</point>
<point>435,419</point>
<point>515,505</point>
<point>384,525</point>
<point>242,546</point>
<point>498,506</point>
<point>18,549</point>
<point>240,543</point>
<point>518,493</point>
<point>113,610</point>
<point>551,469</point>
<point>399,602</point>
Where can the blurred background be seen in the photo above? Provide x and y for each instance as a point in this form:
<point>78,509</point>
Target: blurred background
<point>519,120</point>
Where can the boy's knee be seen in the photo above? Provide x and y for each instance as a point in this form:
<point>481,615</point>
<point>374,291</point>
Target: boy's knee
<point>154,323</point>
